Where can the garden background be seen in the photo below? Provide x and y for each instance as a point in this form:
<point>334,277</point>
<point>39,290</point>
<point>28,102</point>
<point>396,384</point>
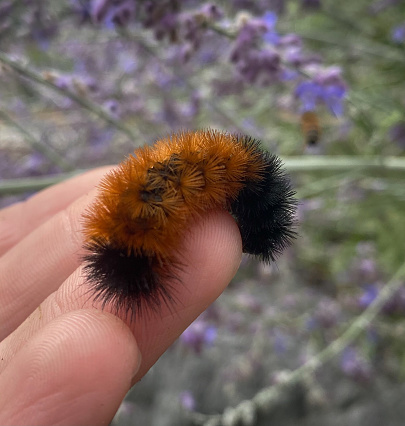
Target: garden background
<point>318,338</point>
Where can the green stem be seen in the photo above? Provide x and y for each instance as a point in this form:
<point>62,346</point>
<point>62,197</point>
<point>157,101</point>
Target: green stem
<point>312,163</point>
<point>36,144</point>
<point>84,102</point>
<point>305,164</point>
<point>21,185</point>
<point>378,50</point>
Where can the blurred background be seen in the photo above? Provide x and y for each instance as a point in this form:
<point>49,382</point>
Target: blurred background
<point>318,338</point>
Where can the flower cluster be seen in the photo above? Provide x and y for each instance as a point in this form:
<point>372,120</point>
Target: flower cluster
<point>258,53</point>
<point>326,87</point>
<point>257,64</point>
<point>262,56</point>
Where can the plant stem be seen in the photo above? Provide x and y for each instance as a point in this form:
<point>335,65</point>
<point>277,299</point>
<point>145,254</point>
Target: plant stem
<point>32,184</point>
<point>302,164</point>
<point>84,102</point>
<point>36,144</point>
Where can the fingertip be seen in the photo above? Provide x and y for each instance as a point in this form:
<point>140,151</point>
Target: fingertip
<point>76,370</point>
<point>213,252</point>
<point>18,220</point>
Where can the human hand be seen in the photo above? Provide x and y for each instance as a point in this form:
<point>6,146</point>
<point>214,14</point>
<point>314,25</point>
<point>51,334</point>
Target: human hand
<point>63,360</point>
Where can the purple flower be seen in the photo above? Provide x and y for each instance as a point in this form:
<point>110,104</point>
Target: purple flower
<point>396,304</point>
<point>333,96</point>
<point>112,13</point>
<point>192,26</point>
<point>192,107</point>
<point>366,270</point>
<point>329,76</point>
<point>270,19</point>
<point>187,400</point>
<point>198,335</point>
<point>112,107</point>
<point>294,56</point>
<point>33,165</point>
<point>42,36</point>
<point>398,34</point>
<point>355,365</point>
<point>245,41</point>
<point>290,40</point>
<point>310,93</point>
<point>82,9</point>
<point>326,87</point>
<point>370,292</point>
<point>127,64</point>
<point>327,313</point>
<point>63,82</point>
<point>270,36</point>
<point>6,8</point>
<point>261,66</point>
<point>280,341</point>
<point>311,324</point>
<point>99,142</point>
<point>211,11</point>
<point>163,18</point>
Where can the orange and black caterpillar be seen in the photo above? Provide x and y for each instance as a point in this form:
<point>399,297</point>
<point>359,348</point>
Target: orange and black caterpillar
<point>134,227</point>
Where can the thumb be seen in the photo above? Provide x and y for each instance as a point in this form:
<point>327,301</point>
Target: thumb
<point>75,370</point>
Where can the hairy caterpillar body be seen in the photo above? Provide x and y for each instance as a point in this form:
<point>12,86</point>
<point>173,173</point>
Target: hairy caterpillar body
<point>135,226</point>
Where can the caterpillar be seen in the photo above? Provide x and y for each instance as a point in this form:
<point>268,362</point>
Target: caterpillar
<point>310,128</point>
<point>134,227</point>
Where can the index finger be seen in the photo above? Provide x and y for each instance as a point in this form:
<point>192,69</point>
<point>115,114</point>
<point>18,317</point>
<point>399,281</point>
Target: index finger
<point>211,252</point>
<point>18,220</point>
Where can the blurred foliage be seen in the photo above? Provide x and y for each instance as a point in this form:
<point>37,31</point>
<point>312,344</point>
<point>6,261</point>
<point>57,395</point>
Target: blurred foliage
<point>136,77</point>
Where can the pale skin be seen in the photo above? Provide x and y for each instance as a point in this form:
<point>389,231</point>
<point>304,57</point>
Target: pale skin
<point>63,360</point>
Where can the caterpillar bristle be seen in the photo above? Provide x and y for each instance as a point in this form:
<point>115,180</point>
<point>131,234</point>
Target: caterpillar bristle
<point>134,229</point>
<point>136,283</point>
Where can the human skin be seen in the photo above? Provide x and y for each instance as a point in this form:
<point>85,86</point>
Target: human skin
<point>63,359</point>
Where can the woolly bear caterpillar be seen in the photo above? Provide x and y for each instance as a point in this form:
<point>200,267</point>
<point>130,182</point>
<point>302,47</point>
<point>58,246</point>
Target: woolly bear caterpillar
<point>134,227</point>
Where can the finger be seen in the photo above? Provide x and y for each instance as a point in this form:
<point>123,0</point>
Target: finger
<point>75,371</point>
<point>211,252</point>
<point>18,220</point>
<point>39,264</point>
